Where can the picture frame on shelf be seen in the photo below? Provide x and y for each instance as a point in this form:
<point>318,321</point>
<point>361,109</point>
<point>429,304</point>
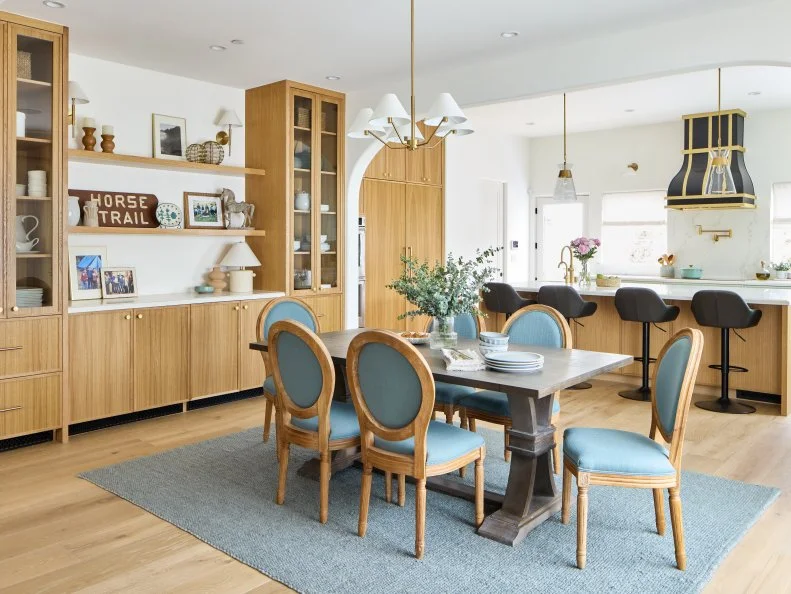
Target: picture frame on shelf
<point>85,264</point>
<point>203,211</point>
<point>118,282</point>
<point>169,137</point>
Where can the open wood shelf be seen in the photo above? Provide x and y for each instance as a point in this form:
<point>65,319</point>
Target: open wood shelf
<point>158,231</point>
<point>29,140</point>
<point>35,198</point>
<point>33,255</point>
<point>151,163</point>
<point>30,82</point>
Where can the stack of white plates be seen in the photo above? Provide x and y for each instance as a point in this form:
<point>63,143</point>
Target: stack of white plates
<point>37,183</point>
<point>514,362</point>
<point>29,297</point>
<point>492,342</point>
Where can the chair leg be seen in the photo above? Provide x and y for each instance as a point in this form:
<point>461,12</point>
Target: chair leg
<point>401,489</point>
<point>565,513</point>
<point>324,488</point>
<point>449,414</point>
<point>365,497</point>
<point>479,491</point>
<point>420,517</point>
<point>388,486</point>
<point>556,454</point>
<point>433,415</point>
<point>283,448</point>
<point>506,442</point>
<point>659,510</point>
<point>678,528</point>
<point>582,525</point>
<point>268,419</point>
<point>463,418</point>
<point>471,421</point>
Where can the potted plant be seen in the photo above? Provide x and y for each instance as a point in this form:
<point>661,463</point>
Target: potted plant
<point>584,249</point>
<point>445,290</point>
<point>781,270</point>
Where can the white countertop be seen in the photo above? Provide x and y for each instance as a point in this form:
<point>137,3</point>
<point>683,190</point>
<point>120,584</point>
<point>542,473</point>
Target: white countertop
<point>756,292</point>
<point>186,298</point>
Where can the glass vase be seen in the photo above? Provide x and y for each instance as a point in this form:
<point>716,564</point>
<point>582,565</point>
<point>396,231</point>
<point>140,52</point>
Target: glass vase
<point>585,275</point>
<point>442,334</point>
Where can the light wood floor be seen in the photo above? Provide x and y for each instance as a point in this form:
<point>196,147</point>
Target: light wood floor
<point>59,533</point>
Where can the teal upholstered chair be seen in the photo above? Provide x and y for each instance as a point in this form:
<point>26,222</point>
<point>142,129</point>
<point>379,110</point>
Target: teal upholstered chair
<point>625,459</point>
<point>282,308</point>
<point>537,325</point>
<point>307,416</point>
<point>393,393</point>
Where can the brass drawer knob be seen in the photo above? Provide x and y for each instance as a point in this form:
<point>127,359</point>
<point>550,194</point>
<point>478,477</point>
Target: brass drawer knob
<point>15,308</point>
<point>245,307</point>
<point>1,310</point>
<point>128,317</point>
<point>139,316</point>
<point>236,308</point>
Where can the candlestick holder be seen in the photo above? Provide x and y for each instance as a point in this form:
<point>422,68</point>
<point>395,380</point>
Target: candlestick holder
<point>107,143</point>
<point>89,140</point>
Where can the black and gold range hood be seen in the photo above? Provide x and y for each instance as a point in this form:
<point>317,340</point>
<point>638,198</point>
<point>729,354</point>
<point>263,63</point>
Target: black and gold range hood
<point>686,190</point>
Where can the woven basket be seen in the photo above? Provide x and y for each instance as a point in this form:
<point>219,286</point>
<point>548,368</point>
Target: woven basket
<point>196,153</point>
<point>24,66</point>
<point>214,153</point>
<point>612,283</point>
<point>303,117</point>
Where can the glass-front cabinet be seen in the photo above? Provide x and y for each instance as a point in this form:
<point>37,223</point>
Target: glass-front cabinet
<point>33,169</point>
<point>316,140</point>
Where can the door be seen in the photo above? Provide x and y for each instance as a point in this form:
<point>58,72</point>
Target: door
<point>34,89</point>
<point>385,244</point>
<point>424,233</point>
<point>3,165</point>
<point>100,365</point>
<point>214,349</point>
<point>328,312</point>
<point>557,223</point>
<point>304,184</point>
<point>425,165</point>
<point>251,366</point>
<point>161,341</point>
<point>328,246</point>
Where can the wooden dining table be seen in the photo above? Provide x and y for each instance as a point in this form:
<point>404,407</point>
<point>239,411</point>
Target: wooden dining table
<point>531,495</point>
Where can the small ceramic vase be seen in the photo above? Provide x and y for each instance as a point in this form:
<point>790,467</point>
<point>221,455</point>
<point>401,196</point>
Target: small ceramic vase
<point>74,211</point>
<point>302,200</point>
<point>217,279</point>
<point>91,210</point>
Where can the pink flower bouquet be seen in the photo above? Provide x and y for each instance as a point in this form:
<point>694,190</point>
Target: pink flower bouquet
<point>585,247</point>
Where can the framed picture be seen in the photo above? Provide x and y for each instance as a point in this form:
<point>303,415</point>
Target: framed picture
<point>202,211</point>
<point>170,137</point>
<point>118,281</point>
<point>85,264</point>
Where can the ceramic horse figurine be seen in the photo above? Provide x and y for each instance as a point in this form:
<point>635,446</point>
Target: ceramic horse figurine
<point>231,206</point>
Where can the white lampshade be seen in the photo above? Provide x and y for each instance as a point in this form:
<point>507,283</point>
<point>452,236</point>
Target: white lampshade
<point>457,129</point>
<point>389,107</point>
<point>361,125</point>
<point>241,255</point>
<point>404,131</point>
<point>445,106</point>
<point>229,118</point>
<point>76,93</point>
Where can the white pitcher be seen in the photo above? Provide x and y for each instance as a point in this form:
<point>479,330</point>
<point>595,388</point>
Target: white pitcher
<point>23,236</point>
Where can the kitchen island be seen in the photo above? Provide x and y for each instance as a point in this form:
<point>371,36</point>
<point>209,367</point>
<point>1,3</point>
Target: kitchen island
<point>764,351</point>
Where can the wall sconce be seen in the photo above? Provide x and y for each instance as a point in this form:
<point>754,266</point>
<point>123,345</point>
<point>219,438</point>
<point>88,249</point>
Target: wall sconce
<point>632,170</point>
<point>78,97</point>
<point>230,119</point>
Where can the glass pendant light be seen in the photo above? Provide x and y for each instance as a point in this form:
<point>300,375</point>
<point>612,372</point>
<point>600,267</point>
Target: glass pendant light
<point>564,187</point>
<point>720,178</point>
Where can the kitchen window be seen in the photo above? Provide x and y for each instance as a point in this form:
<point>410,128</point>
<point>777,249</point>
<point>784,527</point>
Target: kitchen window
<point>633,232</point>
<point>781,222</point>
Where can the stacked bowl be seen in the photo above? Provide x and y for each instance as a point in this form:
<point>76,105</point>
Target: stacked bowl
<point>492,342</point>
<point>37,183</point>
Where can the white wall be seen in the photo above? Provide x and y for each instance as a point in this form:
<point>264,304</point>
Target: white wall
<point>601,157</point>
<point>126,97</point>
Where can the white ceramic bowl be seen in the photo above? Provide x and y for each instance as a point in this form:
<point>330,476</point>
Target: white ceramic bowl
<point>21,189</point>
<point>487,349</point>
<point>493,338</point>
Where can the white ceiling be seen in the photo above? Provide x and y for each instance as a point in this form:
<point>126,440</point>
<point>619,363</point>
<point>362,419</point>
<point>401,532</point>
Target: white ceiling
<point>361,40</point>
<point>655,100</point>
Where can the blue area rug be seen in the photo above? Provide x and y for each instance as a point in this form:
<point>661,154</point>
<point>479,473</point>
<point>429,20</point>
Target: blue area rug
<point>223,490</point>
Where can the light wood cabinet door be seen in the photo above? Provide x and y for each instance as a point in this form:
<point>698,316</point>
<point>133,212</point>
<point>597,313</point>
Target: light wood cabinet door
<point>425,165</point>
<point>30,346</point>
<point>214,349</point>
<point>389,164</point>
<point>30,405</point>
<point>328,311</point>
<point>385,213</point>
<point>100,365</point>
<point>161,343</point>
<point>251,365</point>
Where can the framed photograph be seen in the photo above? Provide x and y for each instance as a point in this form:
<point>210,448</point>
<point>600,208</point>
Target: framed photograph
<point>85,264</point>
<point>202,211</point>
<point>118,281</point>
<point>170,137</point>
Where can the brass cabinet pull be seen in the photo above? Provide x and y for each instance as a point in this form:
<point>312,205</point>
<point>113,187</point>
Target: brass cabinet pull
<point>2,410</point>
<point>236,308</point>
<point>15,308</point>
<point>139,316</point>
<point>127,317</point>
<point>1,310</point>
<point>320,315</point>
<point>14,348</point>
<point>245,307</point>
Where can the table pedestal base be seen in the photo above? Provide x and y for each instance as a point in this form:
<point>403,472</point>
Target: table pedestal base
<point>339,460</point>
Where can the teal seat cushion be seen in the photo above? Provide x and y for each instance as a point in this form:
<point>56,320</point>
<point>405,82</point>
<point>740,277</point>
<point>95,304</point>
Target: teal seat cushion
<point>343,421</point>
<point>615,452</point>
<point>450,393</point>
<point>269,385</point>
<point>495,403</point>
<point>443,443</point>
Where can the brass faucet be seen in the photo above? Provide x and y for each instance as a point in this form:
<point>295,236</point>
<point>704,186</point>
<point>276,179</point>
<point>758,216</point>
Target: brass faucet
<point>569,272</point>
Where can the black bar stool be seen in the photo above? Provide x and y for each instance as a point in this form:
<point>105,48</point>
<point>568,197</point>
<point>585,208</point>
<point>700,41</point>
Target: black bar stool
<point>636,304</point>
<point>503,298</point>
<point>724,310</point>
<point>571,306</point>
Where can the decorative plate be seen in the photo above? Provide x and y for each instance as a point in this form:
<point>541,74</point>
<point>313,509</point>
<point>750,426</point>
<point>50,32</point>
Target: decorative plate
<point>169,215</point>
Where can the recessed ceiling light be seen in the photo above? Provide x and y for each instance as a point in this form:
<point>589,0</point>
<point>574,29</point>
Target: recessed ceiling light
<point>754,93</point>
<point>629,110</point>
<point>332,77</point>
<point>509,34</point>
<point>237,41</point>
<point>53,4</point>
<point>217,48</point>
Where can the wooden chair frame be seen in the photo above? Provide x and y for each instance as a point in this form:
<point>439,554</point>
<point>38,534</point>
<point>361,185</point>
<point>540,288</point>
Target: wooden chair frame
<point>259,332</point>
<point>672,482</point>
<point>287,433</point>
<point>414,465</point>
<point>470,416</point>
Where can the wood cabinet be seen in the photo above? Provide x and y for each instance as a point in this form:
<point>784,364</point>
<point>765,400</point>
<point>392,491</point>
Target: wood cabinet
<point>425,165</point>
<point>100,365</point>
<point>423,232</point>
<point>328,310</point>
<point>30,405</point>
<point>214,349</point>
<point>161,367</point>
<point>388,165</point>
<point>30,346</point>
<point>251,366</point>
